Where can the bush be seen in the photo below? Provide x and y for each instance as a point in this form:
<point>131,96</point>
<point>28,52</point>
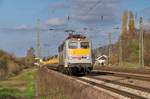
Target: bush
<point>9,64</point>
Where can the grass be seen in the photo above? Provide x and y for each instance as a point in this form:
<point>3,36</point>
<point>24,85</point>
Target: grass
<point>128,65</point>
<point>18,86</point>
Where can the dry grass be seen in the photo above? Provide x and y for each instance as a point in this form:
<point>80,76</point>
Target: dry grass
<point>47,87</point>
<point>54,85</point>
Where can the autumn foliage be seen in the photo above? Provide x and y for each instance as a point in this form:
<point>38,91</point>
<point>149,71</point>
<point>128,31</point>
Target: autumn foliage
<point>130,40</point>
<point>9,64</point>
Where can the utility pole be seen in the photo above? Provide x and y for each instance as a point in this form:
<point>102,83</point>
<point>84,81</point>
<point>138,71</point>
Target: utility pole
<point>120,51</point>
<point>141,42</point>
<point>99,52</point>
<point>38,44</point>
<point>109,48</point>
<point>120,48</point>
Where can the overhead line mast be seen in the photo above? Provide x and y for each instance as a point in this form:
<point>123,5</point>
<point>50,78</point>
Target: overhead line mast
<point>38,43</point>
<point>141,44</point>
<point>109,48</point>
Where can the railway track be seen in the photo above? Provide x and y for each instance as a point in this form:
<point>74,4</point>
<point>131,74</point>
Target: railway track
<point>144,77</point>
<point>130,90</point>
<point>128,85</point>
<point>127,92</point>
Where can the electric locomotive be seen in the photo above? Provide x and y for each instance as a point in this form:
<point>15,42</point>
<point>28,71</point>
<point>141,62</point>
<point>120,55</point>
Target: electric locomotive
<point>75,54</point>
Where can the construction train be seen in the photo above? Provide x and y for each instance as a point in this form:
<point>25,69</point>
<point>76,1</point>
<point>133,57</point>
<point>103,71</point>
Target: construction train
<point>74,55</point>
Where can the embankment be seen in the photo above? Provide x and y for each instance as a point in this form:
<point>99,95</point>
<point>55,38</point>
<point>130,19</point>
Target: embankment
<point>54,85</point>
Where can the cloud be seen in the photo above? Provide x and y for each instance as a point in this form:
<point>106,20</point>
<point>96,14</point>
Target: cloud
<point>44,26</point>
<point>146,25</point>
<point>22,27</point>
<point>145,13</point>
<point>55,22</point>
<point>146,10</point>
<point>87,12</point>
<point>58,5</point>
<point>92,11</point>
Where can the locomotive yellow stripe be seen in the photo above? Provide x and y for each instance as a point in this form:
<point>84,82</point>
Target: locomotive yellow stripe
<point>78,52</point>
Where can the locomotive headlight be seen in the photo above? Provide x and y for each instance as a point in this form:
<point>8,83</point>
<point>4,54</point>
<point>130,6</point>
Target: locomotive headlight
<point>70,57</point>
<point>88,57</point>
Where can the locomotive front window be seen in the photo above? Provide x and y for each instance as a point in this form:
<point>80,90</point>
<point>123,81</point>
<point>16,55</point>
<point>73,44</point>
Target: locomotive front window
<point>84,44</point>
<point>73,45</point>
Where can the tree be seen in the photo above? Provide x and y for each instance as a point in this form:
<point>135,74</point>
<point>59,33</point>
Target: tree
<point>29,60</point>
<point>131,24</point>
<point>30,52</point>
<point>123,37</point>
<point>128,36</point>
<point>124,22</point>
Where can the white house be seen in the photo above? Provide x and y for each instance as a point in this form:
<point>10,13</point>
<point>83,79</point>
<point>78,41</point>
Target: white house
<point>101,60</point>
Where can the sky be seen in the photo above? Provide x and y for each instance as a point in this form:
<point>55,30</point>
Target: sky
<point>93,18</point>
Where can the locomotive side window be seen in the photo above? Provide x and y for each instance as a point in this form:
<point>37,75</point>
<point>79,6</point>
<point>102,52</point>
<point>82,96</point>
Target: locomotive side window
<point>73,45</point>
<point>84,44</point>
<point>61,48</point>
